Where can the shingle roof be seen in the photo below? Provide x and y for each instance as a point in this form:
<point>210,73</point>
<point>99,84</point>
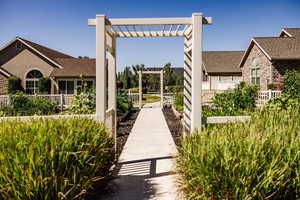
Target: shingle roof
<point>217,62</point>
<point>280,48</point>
<point>50,53</point>
<point>292,32</point>
<point>74,67</point>
<point>222,61</point>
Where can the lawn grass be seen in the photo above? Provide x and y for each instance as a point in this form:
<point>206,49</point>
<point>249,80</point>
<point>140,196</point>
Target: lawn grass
<point>148,98</point>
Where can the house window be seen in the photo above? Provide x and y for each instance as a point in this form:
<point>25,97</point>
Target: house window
<point>66,86</point>
<point>255,71</point>
<point>31,81</point>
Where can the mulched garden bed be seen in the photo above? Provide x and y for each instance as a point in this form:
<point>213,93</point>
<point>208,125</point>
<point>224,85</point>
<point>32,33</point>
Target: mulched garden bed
<point>105,187</point>
<point>124,128</point>
<point>174,125</point>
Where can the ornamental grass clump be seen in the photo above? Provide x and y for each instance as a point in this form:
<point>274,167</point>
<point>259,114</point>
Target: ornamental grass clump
<point>52,158</point>
<point>258,159</point>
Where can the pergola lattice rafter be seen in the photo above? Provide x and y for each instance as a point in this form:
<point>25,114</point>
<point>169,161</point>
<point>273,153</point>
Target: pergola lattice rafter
<point>107,30</point>
<point>149,27</point>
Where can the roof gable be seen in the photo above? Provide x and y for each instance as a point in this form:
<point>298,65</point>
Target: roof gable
<point>275,48</point>
<point>45,52</point>
<point>290,32</point>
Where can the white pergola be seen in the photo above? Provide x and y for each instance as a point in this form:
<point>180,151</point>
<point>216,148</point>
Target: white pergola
<point>107,30</point>
<point>161,73</point>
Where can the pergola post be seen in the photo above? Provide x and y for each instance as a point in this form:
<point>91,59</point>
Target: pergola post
<point>140,89</point>
<point>196,113</point>
<point>100,68</point>
<point>161,88</point>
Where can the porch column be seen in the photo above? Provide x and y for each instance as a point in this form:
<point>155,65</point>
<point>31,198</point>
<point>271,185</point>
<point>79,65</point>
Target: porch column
<point>196,114</point>
<point>100,68</point>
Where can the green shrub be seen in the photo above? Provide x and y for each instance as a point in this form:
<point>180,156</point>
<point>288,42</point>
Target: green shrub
<point>83,103</point>
<point>175,88</point>
<point>291,84</point>
<point>178,101</point>
<point>24,105</point>
<point>14,85</point>
<point>242,98</point>
<point>123,103</point>
<point>271,86</point>
<point>258,159</point>
<point>52,159</point>
<point>6,110</point>
<point>290,97</point>
<point>44,85</point>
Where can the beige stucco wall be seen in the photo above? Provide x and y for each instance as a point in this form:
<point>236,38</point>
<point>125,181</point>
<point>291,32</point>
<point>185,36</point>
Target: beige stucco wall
<point>265,67</point>
<point>26,61</point>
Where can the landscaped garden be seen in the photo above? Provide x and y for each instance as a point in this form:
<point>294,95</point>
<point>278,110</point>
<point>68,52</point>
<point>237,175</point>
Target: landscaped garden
<point>256,159</point>
<point>53,158</point>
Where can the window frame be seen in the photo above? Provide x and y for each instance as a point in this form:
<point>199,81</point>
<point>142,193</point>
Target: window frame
<point>34,89</point>
<point>256,68</point>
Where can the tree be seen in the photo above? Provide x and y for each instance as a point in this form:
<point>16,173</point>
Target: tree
<point>83,57</point>
<point>126,78</point>
<point>14,85</point>
<point>135,78</point>
<point>44,85</point>
<point>168,75</point>
<point>153,82</point>
<point>291,84</point>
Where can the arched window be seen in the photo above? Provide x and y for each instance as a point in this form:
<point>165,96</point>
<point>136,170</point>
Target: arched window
<point>31,81</point>
<point>255,71</point>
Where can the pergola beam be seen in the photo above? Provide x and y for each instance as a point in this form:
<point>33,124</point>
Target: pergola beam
<point>150,21</point>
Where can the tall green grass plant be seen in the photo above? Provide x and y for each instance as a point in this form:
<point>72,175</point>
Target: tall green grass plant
<point>53,158</point>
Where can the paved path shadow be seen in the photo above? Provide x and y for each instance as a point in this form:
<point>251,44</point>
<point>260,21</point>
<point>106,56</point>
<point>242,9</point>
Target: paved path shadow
<point>146,166</point>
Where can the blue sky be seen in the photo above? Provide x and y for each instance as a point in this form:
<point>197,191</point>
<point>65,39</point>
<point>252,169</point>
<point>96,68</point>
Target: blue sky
<point>62,25</point>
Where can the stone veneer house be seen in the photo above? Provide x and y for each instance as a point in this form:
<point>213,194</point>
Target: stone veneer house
<point>30,61</point>
<point>268,58</point>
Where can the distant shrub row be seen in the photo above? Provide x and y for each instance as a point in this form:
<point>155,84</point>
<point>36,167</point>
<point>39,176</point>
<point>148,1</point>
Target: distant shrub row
<point>21,104</point>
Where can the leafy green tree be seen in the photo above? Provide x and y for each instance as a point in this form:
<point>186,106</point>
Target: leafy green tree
<point>291,84</point>
<point>14,85</point>
<point>126,78</point>
<point>136,69</point>
<point>168,75</point>
<point>44,85</point>
<point>153,82</point>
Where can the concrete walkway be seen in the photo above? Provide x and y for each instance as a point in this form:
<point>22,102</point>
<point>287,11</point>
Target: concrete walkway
<point>146,165</point>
